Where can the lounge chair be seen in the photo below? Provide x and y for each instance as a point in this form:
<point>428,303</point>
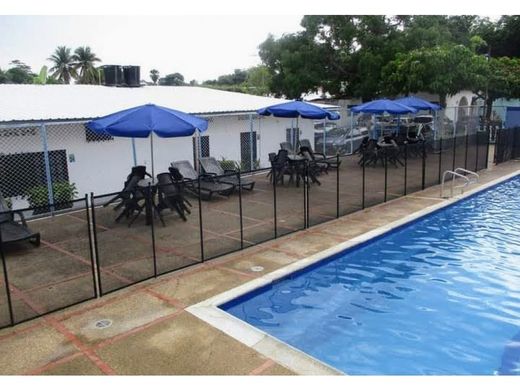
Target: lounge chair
<point>332,161</point>
<point>212,167</point>
<point>12,230</point>
<point>288,146</point>
<point>171,193</point>
<point>208,185</point>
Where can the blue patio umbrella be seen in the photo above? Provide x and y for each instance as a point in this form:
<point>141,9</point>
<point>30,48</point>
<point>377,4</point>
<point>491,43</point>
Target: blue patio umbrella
<point>296,109</point>
<point>418,103</point>
<point>384,105</point>
<point>143,121</point>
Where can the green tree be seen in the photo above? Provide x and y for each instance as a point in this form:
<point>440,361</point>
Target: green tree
<point>443,70</point>
<point>84,62</point>
<point>154,76</point>
<point>3,77</point>
<point>502,80</point>
<point>296,64</point>
<point>64,68</point>
<point>175,79</point>
<point>19,73</point>
<point>258,80</point>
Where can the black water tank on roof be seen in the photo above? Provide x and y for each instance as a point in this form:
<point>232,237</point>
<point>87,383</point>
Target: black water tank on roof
<point>114,75</point>
<point>132,76</point>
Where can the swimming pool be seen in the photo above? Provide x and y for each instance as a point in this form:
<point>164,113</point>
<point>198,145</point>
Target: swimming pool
<point>438,296</point>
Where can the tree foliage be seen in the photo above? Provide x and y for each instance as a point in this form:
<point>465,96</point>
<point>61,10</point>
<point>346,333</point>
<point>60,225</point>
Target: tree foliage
<point>369,56</point>
<point>175,79</point>
<point>154,76</point>
<point>255,80</point>
<point>84,64</point>
<point>443,70</point>
<point>63,68</point>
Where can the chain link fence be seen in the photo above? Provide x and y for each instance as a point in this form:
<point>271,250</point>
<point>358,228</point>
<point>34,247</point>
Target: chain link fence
<point>123,234</point>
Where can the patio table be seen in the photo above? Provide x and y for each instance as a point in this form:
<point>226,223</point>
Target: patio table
<point>149,188</point>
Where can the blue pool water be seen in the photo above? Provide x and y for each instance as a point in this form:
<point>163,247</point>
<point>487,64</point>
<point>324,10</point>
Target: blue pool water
<point>438,296</point>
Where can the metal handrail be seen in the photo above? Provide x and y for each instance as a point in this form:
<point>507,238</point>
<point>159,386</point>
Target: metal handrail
<point>469,173</point>
<point>454,175</point>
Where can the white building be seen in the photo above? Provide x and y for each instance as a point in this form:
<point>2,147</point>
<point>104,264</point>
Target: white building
<point>35,118</point>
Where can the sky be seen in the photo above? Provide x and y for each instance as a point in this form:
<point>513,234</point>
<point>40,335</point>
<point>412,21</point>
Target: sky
<point>200,47</point>
<point>201,39</point>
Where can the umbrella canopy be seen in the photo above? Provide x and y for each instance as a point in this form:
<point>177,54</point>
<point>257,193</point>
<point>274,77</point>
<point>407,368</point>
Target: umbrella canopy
<point>384,105</point>
<point>140,121</point>
<point>296,109</point>
<point>418,103</point>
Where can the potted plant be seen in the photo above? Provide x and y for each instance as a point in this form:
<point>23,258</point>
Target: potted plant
<point>63,191</point>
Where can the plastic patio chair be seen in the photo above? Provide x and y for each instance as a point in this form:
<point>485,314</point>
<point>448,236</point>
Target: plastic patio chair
<point>208,186</point>
<point>12,230</point>
<point>171,193</point>
<point>212,167</point>
<point>133,201</point>
<point>316,156</point>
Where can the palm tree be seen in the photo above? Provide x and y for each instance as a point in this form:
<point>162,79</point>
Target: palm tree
<point>84,60</point>
<point>154,75</point>
<point>63,69</point>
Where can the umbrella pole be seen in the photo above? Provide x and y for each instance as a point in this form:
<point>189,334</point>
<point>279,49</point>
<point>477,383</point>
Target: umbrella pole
<point>351,132</point>
<point>151,152</point>
<point>324,138</point>
<point>134,152</point>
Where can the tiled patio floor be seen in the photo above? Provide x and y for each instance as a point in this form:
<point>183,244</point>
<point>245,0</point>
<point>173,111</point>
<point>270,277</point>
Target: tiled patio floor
<point>151,333</point>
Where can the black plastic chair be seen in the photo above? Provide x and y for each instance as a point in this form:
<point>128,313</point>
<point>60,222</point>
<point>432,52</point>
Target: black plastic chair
<point>133,201</point>
<point>332,162</point>
<point>171,193</point>
<point>212,167</point>
<point>318,166</point>
<point>208,185</point>
<point>137,171</point>
<point>12,230</point>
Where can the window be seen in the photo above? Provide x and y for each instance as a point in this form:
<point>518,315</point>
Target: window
<point>23,171</point>
<point>245,150</point>
<point>204,147</point>
<point>292,135</point>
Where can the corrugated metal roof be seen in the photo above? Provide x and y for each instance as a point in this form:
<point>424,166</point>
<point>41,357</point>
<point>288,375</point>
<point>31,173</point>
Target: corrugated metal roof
<point>68,102</point>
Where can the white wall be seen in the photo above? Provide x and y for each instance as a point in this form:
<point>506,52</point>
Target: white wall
<point>102,166</point>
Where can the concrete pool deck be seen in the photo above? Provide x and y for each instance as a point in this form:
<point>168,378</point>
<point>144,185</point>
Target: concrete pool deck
<point>153,333</point>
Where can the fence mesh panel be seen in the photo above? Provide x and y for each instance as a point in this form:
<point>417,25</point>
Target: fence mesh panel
<point>44,169</point>
<point>56,273</point>
<point>350,184</point>
<point>221,222</point>
<point>290,203</point>
<point>258,209</point>
<point>5,318</point>
<point>177,242</point>
<point>323,190</point>
<point>123,238</point>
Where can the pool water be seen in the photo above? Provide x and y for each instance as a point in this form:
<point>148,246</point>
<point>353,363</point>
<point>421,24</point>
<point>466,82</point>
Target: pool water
<point>438,296</point>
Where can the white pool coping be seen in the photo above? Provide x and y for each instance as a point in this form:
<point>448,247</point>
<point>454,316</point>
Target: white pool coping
<point>276,350</point>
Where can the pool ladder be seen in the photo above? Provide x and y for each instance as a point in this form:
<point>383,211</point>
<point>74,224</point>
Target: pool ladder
<point>455,174</point>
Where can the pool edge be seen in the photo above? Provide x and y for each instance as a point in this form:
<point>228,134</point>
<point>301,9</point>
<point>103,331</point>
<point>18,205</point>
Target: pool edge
<point>271,347</point>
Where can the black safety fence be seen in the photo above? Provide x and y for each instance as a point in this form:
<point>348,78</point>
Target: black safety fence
<point>75,251</point>
<point>507,144</point>
<point>123,233</point>
<point>47,259</point>
<point>350,179</point>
